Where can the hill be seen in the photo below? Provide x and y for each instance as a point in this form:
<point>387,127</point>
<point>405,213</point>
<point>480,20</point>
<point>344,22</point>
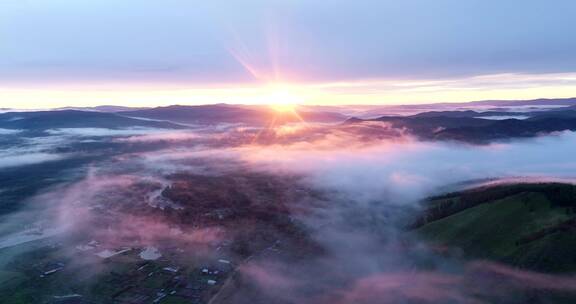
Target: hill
<point>103,108</point>
<point>223,113</point>
<point>532,102</point>
<point>468,126</point>
<point>43,120</point>
<point>526,225</point>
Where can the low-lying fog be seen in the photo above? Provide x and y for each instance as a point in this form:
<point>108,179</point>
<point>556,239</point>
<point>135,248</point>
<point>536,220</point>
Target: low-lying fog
<point>374,180</point>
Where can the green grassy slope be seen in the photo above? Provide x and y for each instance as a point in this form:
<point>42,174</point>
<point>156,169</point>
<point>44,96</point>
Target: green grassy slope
<point>525,229</point>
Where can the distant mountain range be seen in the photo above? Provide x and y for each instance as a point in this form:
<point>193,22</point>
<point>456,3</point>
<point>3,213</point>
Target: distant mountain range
<point>533,102</point>
<point>504,103</point>
<point>224,113</point>
<point>474,126</point>
<point>469,126</point>
<point>486,105</point>
<point>43,120</point>
<point>171,117</point>
<point>103,108</point>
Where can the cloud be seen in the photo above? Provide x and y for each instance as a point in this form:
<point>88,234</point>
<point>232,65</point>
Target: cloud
<point>479,280</point>
<point>28,151</point>
<point>162,137</point>
<point>380,39</point>
<point>409,169</point>
<point>21,151</point>
<point>9,131</point>
<point>103,206</point>
<point>103,132</point>
<point>13,159</point>
<point>348,193</point>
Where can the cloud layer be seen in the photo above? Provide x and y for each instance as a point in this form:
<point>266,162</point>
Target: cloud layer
<point>347,194</point>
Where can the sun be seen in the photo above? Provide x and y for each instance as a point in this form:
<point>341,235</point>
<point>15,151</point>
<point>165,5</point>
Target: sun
<point>283,103</point>
<point>283,108</point>
<point>283,100</point>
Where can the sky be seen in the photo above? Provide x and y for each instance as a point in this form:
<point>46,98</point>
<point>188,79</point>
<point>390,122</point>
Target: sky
<point>159,52</point>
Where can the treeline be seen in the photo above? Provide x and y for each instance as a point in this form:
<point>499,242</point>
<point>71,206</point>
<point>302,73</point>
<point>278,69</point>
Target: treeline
<point>560,195</point>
